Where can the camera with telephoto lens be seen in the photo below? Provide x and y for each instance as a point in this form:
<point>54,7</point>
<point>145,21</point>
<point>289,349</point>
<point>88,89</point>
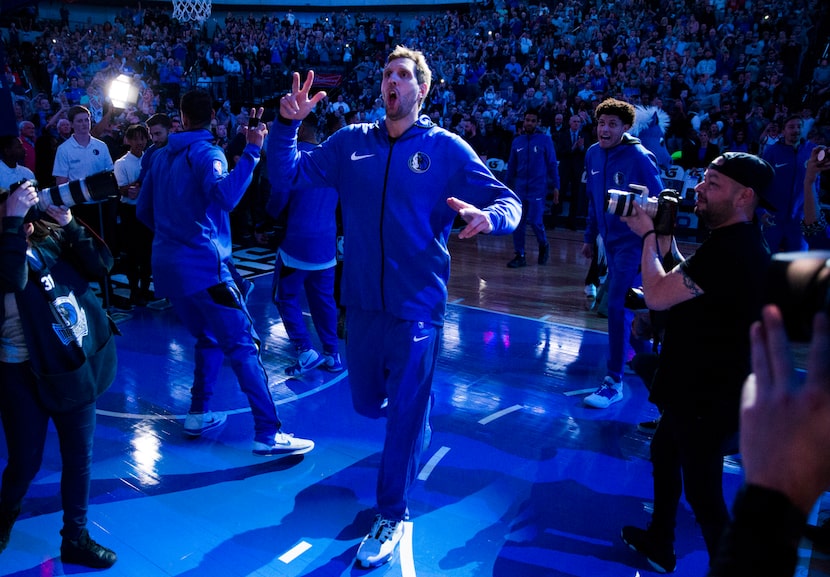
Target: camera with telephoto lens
<point>662,208</point>
<point>799,283</point>
<point>94,188</point>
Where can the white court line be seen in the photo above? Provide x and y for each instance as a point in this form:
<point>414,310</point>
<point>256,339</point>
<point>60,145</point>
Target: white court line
<point>407,557</point>
<point>432,463</point>
<point>579,392</point>
<point>290,399</point>
<point>295,552</point>
<point>500,414</point>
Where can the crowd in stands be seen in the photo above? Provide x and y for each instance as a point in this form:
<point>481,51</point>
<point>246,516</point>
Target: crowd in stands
<point>727,72</point>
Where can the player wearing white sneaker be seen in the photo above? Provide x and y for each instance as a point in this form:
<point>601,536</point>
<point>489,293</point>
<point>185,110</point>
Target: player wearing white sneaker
<point>397,180</point>
<point>186,197</point>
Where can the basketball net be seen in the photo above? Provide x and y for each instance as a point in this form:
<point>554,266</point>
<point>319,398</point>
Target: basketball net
<point>187,10</point>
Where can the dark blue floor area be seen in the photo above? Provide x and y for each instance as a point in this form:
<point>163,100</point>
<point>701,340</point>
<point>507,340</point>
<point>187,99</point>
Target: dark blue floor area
<point>521,479</point>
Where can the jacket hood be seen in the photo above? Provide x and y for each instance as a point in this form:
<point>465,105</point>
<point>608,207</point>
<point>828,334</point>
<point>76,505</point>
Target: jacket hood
<point>178,141</point>
<point>628,139</point>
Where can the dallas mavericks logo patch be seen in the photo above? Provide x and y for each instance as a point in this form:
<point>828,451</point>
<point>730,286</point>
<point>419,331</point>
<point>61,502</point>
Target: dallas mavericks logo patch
<point>419,162</point>
<point>74,326</point>
<point>619,178</point>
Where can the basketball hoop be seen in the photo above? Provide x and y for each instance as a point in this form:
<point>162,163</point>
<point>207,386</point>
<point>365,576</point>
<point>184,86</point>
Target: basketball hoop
<point>188,10</point>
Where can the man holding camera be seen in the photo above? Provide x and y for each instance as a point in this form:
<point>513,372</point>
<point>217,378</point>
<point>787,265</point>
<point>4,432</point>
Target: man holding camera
<point>616,161</point>
<point>711,300</point>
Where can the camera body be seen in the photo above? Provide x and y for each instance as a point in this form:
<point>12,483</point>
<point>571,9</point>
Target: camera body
<point>94,188</point>
<point>662,208</point>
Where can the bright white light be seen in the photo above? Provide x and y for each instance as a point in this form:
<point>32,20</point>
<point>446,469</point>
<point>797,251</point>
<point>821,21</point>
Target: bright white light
<point>122,93</point>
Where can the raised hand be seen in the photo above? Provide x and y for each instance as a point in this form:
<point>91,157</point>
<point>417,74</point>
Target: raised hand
<point>785,425</point>
<point>256,130</point>
<point>21,200</point>
<point>297,105</point>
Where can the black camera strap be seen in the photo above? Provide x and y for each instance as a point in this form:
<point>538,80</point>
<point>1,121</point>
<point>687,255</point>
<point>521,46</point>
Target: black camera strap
<point>47,286</point>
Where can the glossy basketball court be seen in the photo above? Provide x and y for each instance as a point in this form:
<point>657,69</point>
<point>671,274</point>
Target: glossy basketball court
<point>521,479</point>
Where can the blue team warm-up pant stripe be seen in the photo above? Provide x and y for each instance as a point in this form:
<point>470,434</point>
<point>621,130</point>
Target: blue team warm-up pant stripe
<point>394,359</point>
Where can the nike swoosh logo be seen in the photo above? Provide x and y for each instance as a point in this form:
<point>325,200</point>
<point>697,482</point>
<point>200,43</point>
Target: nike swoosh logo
<point>780,165</point>
<point>356,156</point>
<point>419,339</point>
<point>520,149</point>
<point>594,172</point>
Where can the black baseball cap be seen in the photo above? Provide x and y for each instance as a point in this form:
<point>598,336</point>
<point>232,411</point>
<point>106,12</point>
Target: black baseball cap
<point>748,170</point>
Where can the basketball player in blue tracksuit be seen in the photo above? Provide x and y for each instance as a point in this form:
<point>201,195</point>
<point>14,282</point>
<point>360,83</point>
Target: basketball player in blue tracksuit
<point>788,156</point>
<point>398,180</point>
<point>615,161</point>
<point>186,199</point>
<point>305,262</point>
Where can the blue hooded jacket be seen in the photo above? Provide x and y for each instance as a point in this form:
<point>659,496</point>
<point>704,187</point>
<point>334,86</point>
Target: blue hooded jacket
<point>185,200</point>
<point>627,163</point>
<point>532,166</point>
<point>786,193</point>
<point>393,195</point>
<point>311,230</point>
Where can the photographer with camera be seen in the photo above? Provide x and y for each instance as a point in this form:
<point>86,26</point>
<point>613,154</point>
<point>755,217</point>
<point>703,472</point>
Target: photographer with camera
<point>711,300</point>
<point>617,160</point>
<point>57,355</point>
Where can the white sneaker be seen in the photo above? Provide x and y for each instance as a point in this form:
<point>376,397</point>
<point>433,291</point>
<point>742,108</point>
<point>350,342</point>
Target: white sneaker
<point>590,291</point>
<point>606,395</point>
<point>332,363</point>
<point>306,360</point>
<point>283,444</point>
<point>379,545</point>
<point>197,423</point>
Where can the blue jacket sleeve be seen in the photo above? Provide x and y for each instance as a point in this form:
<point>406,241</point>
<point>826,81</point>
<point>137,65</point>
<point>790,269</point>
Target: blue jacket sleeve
<point>227,188</point>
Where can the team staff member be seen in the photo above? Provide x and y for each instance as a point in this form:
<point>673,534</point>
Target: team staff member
<point>705,355</point>
<point>616,161</point>
<point>397,180</point>
<point>186,199</point>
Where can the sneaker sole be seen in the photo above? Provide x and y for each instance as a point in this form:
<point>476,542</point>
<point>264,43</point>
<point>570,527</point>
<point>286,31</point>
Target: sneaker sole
<point>600,404</point>
<point>196,433</point>
<point>367,565</point>
<point>379,562</point>
<point>282,453</point>
<point>289,371</point>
